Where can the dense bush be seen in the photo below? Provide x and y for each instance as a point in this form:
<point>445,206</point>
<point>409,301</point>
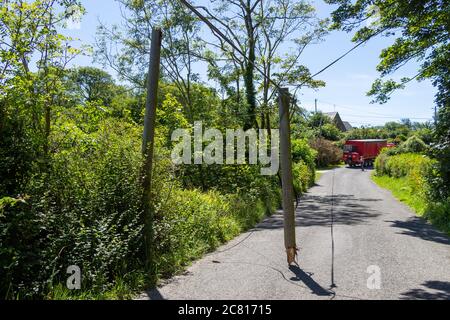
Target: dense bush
<point>414,144</point>
<point>79,213</point>
<point>330,132</point>
<point>70,167</point>
<point>301,150</point>
<point>86,212</point>
<point>418,173</point>
<point>303,167</point>
<point>327,152</point>
<point>402,165</point>
<point>191,223</point>
<point>303,177</point>
<point>83,208</point>
<point>394,132</point>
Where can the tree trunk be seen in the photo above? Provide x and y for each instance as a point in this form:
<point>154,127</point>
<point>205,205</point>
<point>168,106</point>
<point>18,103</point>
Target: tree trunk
<point>249,73</point>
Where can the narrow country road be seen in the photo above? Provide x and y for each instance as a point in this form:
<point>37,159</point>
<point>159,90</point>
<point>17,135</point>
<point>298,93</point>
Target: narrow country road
<point>370,228</point>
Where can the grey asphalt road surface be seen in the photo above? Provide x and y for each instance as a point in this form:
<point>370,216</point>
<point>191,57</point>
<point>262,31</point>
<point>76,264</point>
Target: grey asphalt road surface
<point>381,251</point>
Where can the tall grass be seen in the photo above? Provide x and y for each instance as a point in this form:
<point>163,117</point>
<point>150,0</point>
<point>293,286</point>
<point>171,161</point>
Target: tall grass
<point>407,176</point>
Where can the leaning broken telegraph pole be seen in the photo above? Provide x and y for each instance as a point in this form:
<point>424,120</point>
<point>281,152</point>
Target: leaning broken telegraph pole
<point>148,145</point>
<point>286,176</point>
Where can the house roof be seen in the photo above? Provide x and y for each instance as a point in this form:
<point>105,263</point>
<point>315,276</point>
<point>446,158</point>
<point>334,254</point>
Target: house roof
<point>332,115</point>
<point>336,118</point>
<point>347,125</point>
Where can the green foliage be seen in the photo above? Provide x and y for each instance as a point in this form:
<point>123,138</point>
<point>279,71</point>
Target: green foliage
<point>409,176</point>
<point>88,84</point>
<point>331,132</point>
<point>441,151</point>
<point>425,134</point>
<point>381,163</point>
<point>85,213</point>
<point>126,287</point>
<point>170,117</point>
<point>327,152</point>
<point>413,145</point>
<point>438,214</point>
<point>304,177</point>
<point>318,119</point>
<point>401,165</point>
<point>303,168</point>
<point>321,125</point>
<point>191,223</point>
<point>424,38</point>
<point>79,213</point>
<point>392,131</point>
<point>301,151</point>
<point>71,162</point>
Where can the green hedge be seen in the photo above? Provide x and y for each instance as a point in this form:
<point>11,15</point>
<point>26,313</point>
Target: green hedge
<point>192,223</point>
<point>85,211</point>
<point>409,176</point>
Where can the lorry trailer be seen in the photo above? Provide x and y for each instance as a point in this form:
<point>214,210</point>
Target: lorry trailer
<point>362,152</point>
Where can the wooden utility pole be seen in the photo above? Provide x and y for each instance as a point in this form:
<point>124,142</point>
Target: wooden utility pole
<point>286,176</point>
<point>315,105</point>
<point>148,146</point>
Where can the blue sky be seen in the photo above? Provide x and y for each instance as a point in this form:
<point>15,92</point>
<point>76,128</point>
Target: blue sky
<point>347,81</point>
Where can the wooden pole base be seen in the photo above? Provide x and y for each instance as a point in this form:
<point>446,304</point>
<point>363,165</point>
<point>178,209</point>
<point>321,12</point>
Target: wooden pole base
<point>291,254</point>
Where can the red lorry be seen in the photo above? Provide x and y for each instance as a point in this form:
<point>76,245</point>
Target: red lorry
<point>362,152</point>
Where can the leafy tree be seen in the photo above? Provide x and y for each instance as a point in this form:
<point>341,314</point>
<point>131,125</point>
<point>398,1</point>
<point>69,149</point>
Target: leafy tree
<point>260,29</point>
<point>425,134</point>
<point>280,25</point>
<point>421,32</point>
<point>33,62</point>
<point>33,59</point>
<point>92,84</point>
<point>181,46</point>
<point>318,119</point>
<point>414,145</point>
<point>330,132</point>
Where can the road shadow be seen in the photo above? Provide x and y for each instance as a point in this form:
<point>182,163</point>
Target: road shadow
<point>154,294</point>
<point>316,211</point>
<point>433,290</point>
<point>359,168</point>
<point>302,276</point>
<point>418,227</point>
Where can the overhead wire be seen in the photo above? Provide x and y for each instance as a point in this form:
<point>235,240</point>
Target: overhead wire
<point>372,113</point>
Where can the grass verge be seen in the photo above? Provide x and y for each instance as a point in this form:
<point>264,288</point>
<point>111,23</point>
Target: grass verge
<point>402,191</point>
<point>435,213</point>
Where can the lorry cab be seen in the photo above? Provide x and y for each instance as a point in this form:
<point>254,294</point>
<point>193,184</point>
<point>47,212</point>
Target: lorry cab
<point>351,155</point>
